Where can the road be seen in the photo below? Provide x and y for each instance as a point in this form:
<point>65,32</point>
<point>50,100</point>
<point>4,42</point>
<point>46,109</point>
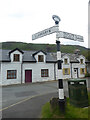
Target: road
<point>13,94</point>
<point>30,108</point>
<point>26,101</point>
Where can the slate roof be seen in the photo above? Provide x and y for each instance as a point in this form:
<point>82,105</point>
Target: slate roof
<point>15,50</point>
<point>28,56</point>
<point>73,58</point>
<point>38,52</point>
<point>4,55</point>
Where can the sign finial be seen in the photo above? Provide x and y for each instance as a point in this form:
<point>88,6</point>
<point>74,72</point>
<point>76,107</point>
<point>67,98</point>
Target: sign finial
<point>56,19</point>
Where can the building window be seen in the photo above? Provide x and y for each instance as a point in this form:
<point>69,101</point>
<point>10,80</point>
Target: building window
<point>81,61</point>
<point>82,71</point>
<point>44,73</point>
<point>40,58</point>
<point>66,71</point>
<point>11,74</point>
<point>16,58</point>
<point>65,61</point>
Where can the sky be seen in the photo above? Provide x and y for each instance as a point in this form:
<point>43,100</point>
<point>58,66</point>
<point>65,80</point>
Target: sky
<point>19,19</point>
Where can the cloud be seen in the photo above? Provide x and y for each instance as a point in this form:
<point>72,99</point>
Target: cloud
<point>16,15</point>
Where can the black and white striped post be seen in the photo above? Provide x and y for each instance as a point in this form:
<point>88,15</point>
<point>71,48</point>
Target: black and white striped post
<point>59,68</point>
<point>60,79</point>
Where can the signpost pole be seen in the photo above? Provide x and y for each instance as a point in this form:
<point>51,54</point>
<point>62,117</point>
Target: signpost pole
<point>60,79</point>
<point>59,72</point>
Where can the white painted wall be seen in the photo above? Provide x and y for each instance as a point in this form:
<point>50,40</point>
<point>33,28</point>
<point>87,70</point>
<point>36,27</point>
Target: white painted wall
<point>81,57</point>
<point>66,57</point>
<point>78,65</point>
<point>36,71</point>
<point>40,53</point>
<point>10,66</point>
<point>64,76</point>
<point>82,65</point>
<point>68,65</point>
<point>74,65</point>
<point>16,52</point>
<point>0,74</point>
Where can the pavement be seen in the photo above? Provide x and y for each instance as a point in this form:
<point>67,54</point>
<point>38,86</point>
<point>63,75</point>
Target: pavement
<point>26,101</point>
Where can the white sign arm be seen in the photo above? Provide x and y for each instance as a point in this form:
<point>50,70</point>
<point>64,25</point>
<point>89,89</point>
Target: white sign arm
<point>45,32</point>
<point>61,34</point>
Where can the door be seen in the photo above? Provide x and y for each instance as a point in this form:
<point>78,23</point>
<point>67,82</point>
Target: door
<point>28,76</point>
<point>75,72</point>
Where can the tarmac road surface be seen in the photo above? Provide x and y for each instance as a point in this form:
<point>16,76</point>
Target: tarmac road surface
<point>26,101</point>
<point>28,109</point>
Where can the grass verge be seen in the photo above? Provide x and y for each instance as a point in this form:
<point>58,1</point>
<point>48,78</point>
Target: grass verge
<point>71,111</point>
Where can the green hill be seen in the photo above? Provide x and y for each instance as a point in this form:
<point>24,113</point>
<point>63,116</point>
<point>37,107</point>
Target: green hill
<point>45,47</point>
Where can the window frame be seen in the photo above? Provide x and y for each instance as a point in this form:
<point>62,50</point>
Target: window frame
<point>66,73</point>
<point>11,74</point>
<point>44,73</point>
<point>65,61</point>
<point>42,58</point>
<point>82,70</point>
<point>81,61</point>
<point>16,57</point>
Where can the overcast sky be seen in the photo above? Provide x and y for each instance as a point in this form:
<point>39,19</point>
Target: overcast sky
<point>19,19</point>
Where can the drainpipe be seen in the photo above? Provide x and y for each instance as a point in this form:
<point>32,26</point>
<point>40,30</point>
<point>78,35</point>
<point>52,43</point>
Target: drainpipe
<point>22,70</point>
<point>71,70</point>
<point>21,73</point>
<point>54,71</point>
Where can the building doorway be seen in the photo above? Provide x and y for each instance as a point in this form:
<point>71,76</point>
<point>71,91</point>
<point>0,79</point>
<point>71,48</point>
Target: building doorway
<point>28,76</point>
<point>75,72</point>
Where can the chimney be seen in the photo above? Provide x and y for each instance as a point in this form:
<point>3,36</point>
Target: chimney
<point>77,51</point>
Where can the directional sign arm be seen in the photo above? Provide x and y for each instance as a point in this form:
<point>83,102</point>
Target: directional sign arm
<point>45,32</point>
<point>61,34</point>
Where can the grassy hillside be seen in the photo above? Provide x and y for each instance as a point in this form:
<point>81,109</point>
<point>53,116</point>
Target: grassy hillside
<point>45,47</point>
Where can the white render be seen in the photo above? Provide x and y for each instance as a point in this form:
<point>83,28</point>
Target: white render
<point>16,52</point>
<point>0,74</point>
<point>11,66</point>
<point>68,65</point>
<point>36,69</point>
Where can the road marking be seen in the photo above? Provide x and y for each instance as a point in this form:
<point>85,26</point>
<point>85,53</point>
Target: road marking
<point>24,100</point>
<point>17,103</point>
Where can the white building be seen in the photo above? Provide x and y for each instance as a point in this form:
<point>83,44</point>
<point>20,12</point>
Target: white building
<point>17,67</point>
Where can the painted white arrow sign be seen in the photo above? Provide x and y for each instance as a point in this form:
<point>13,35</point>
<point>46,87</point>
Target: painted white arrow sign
<point>45,32</point>
<point>70,36</point>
